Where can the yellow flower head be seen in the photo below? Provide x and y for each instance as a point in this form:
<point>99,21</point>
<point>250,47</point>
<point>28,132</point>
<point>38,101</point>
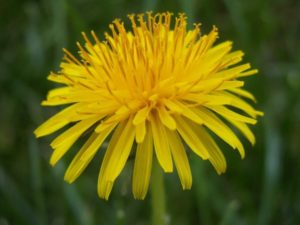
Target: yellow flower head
<point>157,86</point>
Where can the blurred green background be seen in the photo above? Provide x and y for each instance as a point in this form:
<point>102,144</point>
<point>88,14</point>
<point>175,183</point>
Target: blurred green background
<point>262,189</point>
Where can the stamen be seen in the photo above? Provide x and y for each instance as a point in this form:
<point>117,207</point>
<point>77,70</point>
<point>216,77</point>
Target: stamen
<point>112,94</point>
<point>106,64</point>
<point>86,61</point>
<point>72,57</point>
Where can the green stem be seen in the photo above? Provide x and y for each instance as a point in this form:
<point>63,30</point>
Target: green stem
<point>158,196</point>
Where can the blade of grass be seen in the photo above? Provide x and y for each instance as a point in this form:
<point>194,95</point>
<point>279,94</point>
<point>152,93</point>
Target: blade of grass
<point>76,205</point>
<point>16,200</point>
<point>33,37</point>
<point>272,168</point>
<point>201,188</point>
<point>237,12</point>
<point>230,214</point>
<point>36,179</point>
<point>58,30</point>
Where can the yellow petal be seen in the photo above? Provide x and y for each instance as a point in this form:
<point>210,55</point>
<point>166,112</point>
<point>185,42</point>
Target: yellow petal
<point>57,121</point>
<point>58,78</point>
<point>231,59</point>
<point>208,99</point>
<point>61,150</point>
<point>141,116</point>
<point>190,137</point>
<point>207,85</point>
<point>86,154</point>
<point>110,120</point>
<point>220,128</point>
<point>166,118</point>
<point>207,143</point>
<point>184,110</point>
<point>173,106</point>
<point>50,127</point>
<point>142,166</point>
<point>243,93</point>
<point>140,131</point>
<point>241,104</point>
<point>248,73</point>
<point>74,131</point>
<point>57,101</point>
<point>58,92</point>
<point>161,144</point>
<point>213,57</point>
<point>216,158</point>
<point>243,128</point>
<point>232,72</point>
<point>224,46</point>
<point>225,112</point>
<point>115,157</point>
<point>230,84</point>
<point>104,107</point>
<point>218,51</point>
<point>63,142</point>
<point>57,96</point>
<point>73,70</point>
<point>180,159</point>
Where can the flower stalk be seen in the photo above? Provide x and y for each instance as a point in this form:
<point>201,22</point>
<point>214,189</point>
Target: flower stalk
<point>159,216</point>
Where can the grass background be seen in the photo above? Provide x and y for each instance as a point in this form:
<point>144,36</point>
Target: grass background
<point>262,189</point>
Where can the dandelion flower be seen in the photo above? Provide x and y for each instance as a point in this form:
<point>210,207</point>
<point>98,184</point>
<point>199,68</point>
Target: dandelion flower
<point>159,87</point>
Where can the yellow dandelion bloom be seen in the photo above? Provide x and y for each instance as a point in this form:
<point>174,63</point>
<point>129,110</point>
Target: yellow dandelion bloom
<point>157,87</point>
